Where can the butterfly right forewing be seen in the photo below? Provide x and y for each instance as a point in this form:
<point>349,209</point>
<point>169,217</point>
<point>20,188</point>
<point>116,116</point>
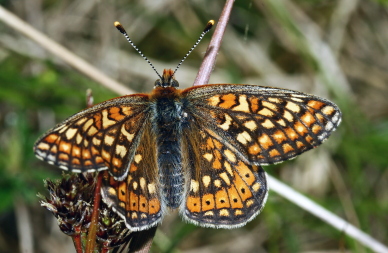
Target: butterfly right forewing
<point>264,125</point>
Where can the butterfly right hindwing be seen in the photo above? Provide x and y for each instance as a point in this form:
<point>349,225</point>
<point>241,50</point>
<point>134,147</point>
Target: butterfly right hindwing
<point>222,190</point>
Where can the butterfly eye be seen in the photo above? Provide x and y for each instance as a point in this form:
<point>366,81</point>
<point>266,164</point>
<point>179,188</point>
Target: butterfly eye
<point>174,83</point>
<point>158,83</point>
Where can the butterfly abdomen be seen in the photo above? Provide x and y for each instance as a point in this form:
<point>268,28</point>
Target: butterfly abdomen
<point>168,126</point>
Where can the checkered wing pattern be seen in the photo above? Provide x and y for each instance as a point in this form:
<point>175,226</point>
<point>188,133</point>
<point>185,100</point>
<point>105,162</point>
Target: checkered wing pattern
<point>137,198</point>
<point>104,136</point>
<point>222,190</point>
<point>220,136</point>
<point>263,125</point>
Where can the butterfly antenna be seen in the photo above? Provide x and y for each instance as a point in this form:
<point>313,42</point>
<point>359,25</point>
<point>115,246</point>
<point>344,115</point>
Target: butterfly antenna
<point>122,30</point>
<point>208,26</point>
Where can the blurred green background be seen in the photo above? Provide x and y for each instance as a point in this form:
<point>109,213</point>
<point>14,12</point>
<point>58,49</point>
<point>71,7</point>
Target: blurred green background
<point>334,49</point>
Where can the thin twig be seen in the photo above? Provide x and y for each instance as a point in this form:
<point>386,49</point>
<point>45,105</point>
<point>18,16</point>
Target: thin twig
<point>325,215</point>
<point>91,240</point>
<point>61,52</point>
<point>77,243</point>
<point>209,60</point>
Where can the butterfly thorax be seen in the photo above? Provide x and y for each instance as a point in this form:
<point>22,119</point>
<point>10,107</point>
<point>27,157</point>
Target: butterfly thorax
<point>167,121</point>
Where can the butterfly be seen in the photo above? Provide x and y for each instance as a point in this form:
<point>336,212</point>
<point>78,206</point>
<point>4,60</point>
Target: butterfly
<point>199,150</point>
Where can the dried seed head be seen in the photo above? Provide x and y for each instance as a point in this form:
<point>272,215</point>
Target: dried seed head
<point>70,201</point>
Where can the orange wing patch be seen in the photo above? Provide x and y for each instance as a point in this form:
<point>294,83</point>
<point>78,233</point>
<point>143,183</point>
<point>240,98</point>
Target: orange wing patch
<point>225,192</point>
<point>264,125</point>
<point>137,198</point>
<point>138,207</point>
<point>96,138</point>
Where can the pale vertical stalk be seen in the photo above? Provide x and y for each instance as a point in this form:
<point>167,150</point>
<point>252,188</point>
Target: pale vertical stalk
<point>209,60</point>
<point>23,222</point>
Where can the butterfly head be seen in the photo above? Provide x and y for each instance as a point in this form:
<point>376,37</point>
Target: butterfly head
<point>167,79</point>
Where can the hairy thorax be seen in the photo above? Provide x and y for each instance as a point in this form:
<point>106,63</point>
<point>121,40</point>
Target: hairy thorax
<point>167,123</point>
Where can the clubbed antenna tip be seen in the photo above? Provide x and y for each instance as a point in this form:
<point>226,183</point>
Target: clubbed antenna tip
<point>208,26</point>
<point>120,27</point>
<point>122,30</point>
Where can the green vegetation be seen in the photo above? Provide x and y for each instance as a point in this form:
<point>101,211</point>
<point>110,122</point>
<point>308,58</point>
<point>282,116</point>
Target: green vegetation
<point>266,44</point>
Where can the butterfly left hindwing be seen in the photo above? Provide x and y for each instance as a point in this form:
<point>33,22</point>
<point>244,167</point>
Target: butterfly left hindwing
<point>137,198</point>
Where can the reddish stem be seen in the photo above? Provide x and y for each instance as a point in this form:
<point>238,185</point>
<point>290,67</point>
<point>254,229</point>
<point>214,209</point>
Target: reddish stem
<point>105,250</point>
<point>91,240</point>
<point>77,243</point>
<point>209,60</point>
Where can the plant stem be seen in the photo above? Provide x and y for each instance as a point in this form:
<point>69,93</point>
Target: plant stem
<point>91,240</point>
<point>209,60</point>
<point>77,243</point>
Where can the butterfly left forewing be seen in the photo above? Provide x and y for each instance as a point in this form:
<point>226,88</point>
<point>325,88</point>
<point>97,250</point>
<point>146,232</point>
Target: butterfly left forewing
<point>102,137</point>
<point>263,125</point>
<point>222,190</point>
